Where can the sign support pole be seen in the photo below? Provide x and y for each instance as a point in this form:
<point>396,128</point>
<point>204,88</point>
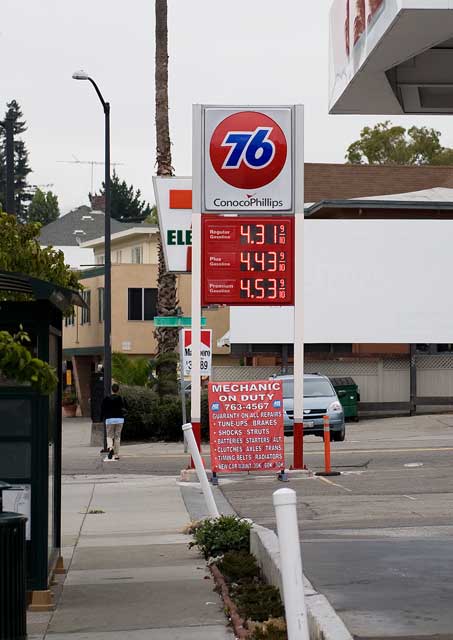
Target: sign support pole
<point>182,391</point>
<point>195,393</point>
<point>298,453</point>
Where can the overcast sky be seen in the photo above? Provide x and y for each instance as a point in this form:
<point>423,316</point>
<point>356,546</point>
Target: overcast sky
<point>240,51</point>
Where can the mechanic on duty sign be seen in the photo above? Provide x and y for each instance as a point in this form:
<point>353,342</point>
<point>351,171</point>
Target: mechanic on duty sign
<point>247,159</point>
<point>246,426</point>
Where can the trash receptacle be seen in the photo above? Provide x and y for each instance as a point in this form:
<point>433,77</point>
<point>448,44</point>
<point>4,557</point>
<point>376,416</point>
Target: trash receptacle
<point>349,396</point>
<point>13,604</point>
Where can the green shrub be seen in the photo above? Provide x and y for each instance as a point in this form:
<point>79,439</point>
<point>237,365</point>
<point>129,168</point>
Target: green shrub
<point>258,601</point>
<point>142,409</point>
<point>149,417</point>
<point>218,535</point>
<point>134,372</point>
<point>239,566</point>
<point>169,419</point>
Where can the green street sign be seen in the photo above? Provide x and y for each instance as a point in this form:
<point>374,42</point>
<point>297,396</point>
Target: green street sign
<point>175,321</point>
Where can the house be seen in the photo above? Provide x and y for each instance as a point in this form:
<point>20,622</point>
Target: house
<point>68,232</point>
<point>134,254</point>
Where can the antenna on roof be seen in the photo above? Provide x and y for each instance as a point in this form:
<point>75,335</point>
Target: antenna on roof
<point>90,162</point>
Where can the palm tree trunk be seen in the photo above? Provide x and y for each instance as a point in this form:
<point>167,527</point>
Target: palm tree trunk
<point>167,303</point>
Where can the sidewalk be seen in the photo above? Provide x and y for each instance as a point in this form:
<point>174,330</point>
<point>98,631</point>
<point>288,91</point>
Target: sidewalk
<point>130,572</point>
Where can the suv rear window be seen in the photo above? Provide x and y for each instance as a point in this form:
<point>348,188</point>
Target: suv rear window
<point>313,388</point>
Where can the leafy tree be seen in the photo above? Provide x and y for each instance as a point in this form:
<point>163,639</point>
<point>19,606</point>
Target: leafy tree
<point>21,252</point>
<point>134,372</point>
<point>153,217</point>
<point>126,204</point>
<point>388,144</point>
<point>167,302</point>
<point>21,166</point>
<point>17,363</point>
<point>43,207</point>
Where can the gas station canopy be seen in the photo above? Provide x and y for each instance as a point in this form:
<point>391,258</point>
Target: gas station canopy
<point>391,56</point>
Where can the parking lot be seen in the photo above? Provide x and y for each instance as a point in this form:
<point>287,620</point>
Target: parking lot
<point>377,540</point>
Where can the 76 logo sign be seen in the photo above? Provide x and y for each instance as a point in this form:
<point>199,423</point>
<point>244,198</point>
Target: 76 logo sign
<point>248,150</point>
<point>254,148</point>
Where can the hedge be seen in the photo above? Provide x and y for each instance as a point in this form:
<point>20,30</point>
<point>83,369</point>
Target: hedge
<point>150,418</point>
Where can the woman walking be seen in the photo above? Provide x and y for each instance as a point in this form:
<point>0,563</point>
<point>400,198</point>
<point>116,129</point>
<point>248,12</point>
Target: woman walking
<point>113,410</point>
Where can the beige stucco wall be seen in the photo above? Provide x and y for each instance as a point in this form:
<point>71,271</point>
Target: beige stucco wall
<point>88,335</point>
<point>138,333</point>
<point>125,245</point>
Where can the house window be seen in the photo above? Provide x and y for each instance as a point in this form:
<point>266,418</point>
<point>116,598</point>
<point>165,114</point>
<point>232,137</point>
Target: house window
<point>118,257</point>
<point>86,311</point>
<point>101,304</point>
<point>137,255</point>
<point>142,304</point>
<point>69,321</point>
<point>100,259</point>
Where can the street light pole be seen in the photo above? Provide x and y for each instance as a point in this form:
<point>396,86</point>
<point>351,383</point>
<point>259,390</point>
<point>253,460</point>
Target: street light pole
<point>82,75</point>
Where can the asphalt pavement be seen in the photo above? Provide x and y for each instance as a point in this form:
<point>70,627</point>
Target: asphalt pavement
<point>376,540</point>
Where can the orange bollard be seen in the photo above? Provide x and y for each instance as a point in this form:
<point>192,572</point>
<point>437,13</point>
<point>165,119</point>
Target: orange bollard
<point>328,470</point>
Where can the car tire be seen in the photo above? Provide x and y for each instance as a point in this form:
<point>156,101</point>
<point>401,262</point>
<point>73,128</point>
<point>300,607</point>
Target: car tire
<point>339,436</point>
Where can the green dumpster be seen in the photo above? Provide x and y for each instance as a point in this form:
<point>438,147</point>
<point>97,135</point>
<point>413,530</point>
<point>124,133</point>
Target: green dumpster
<point>349,396</point>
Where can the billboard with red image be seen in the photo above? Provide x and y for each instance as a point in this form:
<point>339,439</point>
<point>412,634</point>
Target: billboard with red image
<point>246,426</point>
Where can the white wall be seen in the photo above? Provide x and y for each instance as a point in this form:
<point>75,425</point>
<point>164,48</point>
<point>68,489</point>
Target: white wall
<point>365,281</point>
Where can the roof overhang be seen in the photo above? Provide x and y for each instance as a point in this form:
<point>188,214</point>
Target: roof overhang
<point>368,209</point>
<point>391,57</point>
<point>60,297</point>
<point>119,235</point>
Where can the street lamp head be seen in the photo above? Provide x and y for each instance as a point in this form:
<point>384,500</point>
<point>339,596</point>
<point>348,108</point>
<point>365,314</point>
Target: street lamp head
<point>80,75</point>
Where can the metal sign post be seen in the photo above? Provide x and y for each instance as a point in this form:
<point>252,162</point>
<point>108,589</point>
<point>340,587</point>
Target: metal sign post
<point>298,454</point>
<point>195,390</point>
<point>248,160</point>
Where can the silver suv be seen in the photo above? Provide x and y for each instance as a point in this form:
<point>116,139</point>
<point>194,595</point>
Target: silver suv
<point>320,400</point>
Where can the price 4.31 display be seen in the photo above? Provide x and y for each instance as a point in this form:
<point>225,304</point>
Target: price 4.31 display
<point>247,261</point>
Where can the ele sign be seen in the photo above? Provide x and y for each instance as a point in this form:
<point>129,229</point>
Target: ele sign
<point>174,208</point>
<point>247,159</point>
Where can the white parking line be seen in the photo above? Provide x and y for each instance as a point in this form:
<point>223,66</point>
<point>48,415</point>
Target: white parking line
<point>335,484</point>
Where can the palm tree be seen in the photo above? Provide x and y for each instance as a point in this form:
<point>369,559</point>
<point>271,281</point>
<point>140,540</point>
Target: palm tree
<point>167,302</point>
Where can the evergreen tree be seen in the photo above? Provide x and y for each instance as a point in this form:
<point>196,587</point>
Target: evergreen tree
<point>43,207</point>
<point>126,203</point>
<point>21,166</point>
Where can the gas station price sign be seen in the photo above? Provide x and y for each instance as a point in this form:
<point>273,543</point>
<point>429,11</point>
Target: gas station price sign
<point>247,260</point>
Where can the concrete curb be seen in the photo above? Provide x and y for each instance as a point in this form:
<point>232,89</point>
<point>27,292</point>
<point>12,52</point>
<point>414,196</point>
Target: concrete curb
<point>323,621</point>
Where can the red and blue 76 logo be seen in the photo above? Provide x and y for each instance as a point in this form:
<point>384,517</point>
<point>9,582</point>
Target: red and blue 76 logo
<point>248,150</point>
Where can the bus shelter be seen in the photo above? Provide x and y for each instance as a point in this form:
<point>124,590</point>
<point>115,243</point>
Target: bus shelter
<point>30,427</point>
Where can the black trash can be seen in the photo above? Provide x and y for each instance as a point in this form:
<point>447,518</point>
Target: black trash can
<point>13,604</point>
<point>97,396</point>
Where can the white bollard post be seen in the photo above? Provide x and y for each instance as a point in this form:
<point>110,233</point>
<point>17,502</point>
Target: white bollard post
<point>291,564</point>
<point>201,472</point>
